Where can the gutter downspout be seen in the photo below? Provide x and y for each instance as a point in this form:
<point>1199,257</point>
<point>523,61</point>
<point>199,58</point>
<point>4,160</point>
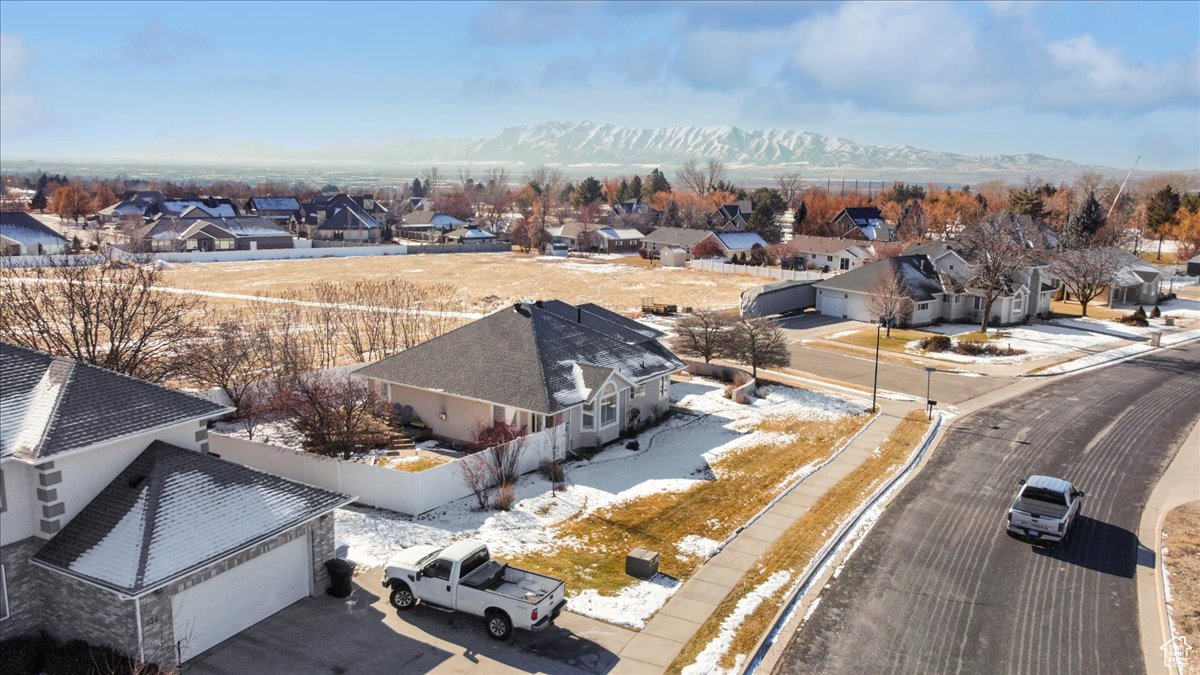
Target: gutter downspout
<point>137,613</point>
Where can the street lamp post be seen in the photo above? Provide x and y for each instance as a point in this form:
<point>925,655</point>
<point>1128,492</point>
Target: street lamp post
<point>929,402</point>
<point>875,384</point>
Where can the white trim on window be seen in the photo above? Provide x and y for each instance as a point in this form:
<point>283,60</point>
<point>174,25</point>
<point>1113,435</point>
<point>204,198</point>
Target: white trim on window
<point>639,391</point>
<point>608,407</point>
<point>589,417</point>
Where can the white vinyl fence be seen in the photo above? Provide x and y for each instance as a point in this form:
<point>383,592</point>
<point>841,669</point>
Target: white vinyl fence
<point>401,491</point>
<point>722,267</point>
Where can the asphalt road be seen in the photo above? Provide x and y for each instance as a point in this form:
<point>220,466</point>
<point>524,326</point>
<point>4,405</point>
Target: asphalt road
<point>945,388</point>
<point>938,586</point>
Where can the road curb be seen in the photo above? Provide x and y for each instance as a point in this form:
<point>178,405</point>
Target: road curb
<point>816,567</point>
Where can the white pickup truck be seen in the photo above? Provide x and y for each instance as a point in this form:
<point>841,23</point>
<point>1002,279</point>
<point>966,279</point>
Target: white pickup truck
<point>1044,509</point>
<point>463,577</point>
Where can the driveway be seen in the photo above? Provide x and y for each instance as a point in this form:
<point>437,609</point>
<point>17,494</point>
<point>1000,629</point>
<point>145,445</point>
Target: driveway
<point>364,634</point>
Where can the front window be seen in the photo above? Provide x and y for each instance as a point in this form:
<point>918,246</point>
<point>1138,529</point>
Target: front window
<point>922,306</point>
<point>589,416</point>
<point>639,391</point>
<point>608,407</point>
<point>978,303</point>
<point>536,422</point>
<point>845,264</point>
<point>664,386</point>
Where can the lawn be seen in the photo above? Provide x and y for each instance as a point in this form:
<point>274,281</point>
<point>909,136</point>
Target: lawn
<point>1181,553</point>
<point>1096,309</point>
<point>725,643</point>
<point>866,338</point>
<point>487,280</point>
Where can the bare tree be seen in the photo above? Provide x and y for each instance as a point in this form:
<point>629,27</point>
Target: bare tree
<point>997,248</point>
<point>701,179</point>
<point>227,358</point>
<point>1086,272</point>
<point>756,342</point>
<point>113,315</point>
<point>338,416</point>
<point>473,470</point>
<point>888,298</point>
<point>546,182</point>
<point>431,177</point>
<point>790,186</point>
<point>701,333</point>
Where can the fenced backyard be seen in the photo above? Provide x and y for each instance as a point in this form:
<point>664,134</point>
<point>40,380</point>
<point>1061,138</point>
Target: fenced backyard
<point>722,267</point>
<point>410,493</point>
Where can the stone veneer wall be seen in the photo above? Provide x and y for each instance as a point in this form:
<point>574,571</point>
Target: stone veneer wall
<point>21,580</point>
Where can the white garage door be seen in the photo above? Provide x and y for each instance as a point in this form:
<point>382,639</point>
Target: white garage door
<point>833,305</point>
<point>232,601</point>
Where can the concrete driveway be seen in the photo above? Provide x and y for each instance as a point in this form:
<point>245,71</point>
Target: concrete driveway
<point>364,634</point>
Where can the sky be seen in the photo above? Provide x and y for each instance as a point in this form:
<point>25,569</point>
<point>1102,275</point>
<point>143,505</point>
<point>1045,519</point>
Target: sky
<point>1097,83</point>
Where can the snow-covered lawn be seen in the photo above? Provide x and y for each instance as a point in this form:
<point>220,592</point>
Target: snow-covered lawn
<point>1038,341</point>
<point>674,457</point>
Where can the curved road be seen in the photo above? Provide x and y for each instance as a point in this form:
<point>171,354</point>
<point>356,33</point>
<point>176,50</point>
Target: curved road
<point>937,586</point>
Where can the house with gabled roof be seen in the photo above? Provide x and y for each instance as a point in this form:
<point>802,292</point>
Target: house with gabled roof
<point>534,365</point>
<point>280,210</point>
<point>836,253</point>
<point>470,235</point>
<point>206,233</point>
<point>739,245</point>
<point>863,223</point>
<point>735,216</point>
<point>22,234</point>
<point>349,223</point>
<point>683,238</point>
<point>118,527</point>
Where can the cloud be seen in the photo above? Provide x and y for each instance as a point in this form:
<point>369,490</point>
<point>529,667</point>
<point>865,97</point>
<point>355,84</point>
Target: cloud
<point>566,72</point>
<point>481,86</point>
<point>153,44</point>
<point>535,22</point>
<point>15,58</point>
<point>934,57</point>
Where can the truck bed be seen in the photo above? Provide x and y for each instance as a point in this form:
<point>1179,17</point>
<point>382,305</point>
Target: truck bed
<point>511,582</point>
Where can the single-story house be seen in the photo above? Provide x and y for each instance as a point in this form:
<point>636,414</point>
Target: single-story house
<point>1193,267</point>
<point>349,223</point>
<point>134,204</point>
<point>216,207</point>
<point>672,237</point>
<point>430,220</point>
<point>470,235</point>
<point>243,233</point>
<point>739,245</point>
<point>118,528</point>
<point>864,223</point>
<point>534,365</point>
<point>1136,282</point>
<point>836,253</point>
<point>324,206</point>
<point>734,216</point>
<point>617,239</point>
<point>602,238</point>
<point>282,210</point>
<point>22,234</point>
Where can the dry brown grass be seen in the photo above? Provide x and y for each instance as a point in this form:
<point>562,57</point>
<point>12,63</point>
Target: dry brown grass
<point>416,465</point>
<point>1096,310</point>
<point>801,542</point>
<point>487,280</point>
<point>592,553</point>
<point>1182,560</point>
<point>896,343</point>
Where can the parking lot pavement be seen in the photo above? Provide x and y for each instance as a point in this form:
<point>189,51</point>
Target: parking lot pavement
<point>364,634</point>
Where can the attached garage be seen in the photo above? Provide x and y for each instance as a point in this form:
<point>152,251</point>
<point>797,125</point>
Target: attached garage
<point>832,303</point>
<point>212,611</point>
<point>182,551</point>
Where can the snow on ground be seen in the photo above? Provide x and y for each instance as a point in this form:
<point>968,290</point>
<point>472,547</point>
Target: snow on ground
<point>280,433</point>
<point>1038,341</point>
<point>709,659</point>
<point>1120,353</point>
<point>699,546</point>
<point>673,457</point>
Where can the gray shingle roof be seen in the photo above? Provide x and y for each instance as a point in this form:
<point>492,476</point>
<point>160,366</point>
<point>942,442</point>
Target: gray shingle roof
<point>525,356</point>
<point>22,227</point>
<point>349,218</point>
<point>917,271</point>
<point>676,236</point>
<point>247,226</point>
<point>275,203</point>
<point>49,405</point>
<point>804,243</point>
<point>173,511</point>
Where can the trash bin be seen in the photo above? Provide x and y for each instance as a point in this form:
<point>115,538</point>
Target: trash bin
<point>340,573</point>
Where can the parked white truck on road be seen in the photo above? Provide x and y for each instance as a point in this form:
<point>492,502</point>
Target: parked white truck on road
<point>1044,509</point>
<point>463,577</point>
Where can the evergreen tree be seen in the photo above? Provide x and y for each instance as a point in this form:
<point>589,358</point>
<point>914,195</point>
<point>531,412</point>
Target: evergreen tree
<point>635,188</point>
<point>568,193</point>
<point>1084,223</point>
<point>39,201</point>
<point>1160,214</point>
<point>768,207</point>
<point>589,191</point>
<point>798,217</point>
<point>623,191</point>
<point>671,216</point>
<point>418,190</point>
<point>655,182</point>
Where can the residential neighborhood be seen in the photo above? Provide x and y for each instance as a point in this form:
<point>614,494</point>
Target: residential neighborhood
<point>567,341</point>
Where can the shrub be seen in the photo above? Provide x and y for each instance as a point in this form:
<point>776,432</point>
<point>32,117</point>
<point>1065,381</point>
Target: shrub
<point>553,472</point>
<point>936,343</point>
<point>1140,312</point>
<point>46,655</point>
<point>506,496</point>
<point>1155,313</point>
<point>1135,319</point>
<point>971,348</point>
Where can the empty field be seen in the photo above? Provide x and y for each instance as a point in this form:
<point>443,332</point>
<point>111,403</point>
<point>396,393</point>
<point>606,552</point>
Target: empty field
<point>486,280</point>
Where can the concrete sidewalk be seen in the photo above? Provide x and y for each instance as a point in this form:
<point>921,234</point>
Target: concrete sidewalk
<point>657,645</point>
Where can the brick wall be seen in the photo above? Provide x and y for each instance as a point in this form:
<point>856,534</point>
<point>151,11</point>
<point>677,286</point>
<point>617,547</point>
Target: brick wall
<point>21,581</point>
<point>71,609</point>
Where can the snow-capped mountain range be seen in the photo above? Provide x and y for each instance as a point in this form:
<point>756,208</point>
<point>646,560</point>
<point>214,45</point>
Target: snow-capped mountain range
<point>579,146</point>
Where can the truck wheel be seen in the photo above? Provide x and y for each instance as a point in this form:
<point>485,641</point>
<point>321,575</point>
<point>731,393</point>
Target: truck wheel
<point>499,626</point>
<point>402,597</point>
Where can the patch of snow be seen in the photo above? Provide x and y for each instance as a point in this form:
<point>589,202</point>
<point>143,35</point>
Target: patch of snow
<point>109,558</point>
<point>631,606</point>
<point>802,472</point>
<point>709,659</point>
<point>842,333</point>
<point>812,609</point>
<point>699,546</point>
<point>1037,341</point>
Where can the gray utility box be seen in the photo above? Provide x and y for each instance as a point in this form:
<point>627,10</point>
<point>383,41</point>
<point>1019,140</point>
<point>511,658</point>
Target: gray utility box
<point>641,563</point>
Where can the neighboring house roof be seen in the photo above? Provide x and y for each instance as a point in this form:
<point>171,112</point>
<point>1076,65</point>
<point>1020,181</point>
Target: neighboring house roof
<point>274,203</point>
<point>242,226</point>
<point>598,318</point>
<point>1133,270</point>
<point>676,236</point>
<point>619,233</point>
<point>918,272</point>
<point>470,233</point>
<point>930,248</point>
<point>524,356</point>
<point>26,230</point>
<point>52,405</point>
<point>864,215</point>
<point>736,241</point>
<point>349,218</point>
<point>221,208</point>
<point>173,511</point>
<point>805,243</point>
